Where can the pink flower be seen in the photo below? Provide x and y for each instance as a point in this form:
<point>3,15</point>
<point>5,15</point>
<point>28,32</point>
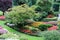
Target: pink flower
<point>2,17</point>
<point>2,31</point>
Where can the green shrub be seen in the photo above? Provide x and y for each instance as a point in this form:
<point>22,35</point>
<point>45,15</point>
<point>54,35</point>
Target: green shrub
<point>44,26</point>
<point>58,26</point>
<point>51,35</point>
<point>20,13</point>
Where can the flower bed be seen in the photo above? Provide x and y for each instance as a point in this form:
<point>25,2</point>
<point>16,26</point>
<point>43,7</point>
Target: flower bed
<point>9,36</point>
<point>2,31</point>
<point>5,34</point>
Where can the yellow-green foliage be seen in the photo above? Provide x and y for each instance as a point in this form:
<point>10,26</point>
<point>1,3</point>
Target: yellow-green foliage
<point>20,13</point>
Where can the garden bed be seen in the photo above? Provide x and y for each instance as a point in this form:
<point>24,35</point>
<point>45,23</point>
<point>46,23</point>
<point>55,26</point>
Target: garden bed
<point>22,35</point>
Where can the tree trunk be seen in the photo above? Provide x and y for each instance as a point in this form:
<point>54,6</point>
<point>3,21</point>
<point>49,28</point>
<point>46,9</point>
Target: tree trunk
<point>3,13</point>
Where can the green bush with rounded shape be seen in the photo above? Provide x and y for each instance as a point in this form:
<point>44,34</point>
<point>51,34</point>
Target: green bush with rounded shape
<point>20,13</point>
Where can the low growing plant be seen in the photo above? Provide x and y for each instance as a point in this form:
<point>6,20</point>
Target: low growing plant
<point>51,35</point>
<point>43,27</point>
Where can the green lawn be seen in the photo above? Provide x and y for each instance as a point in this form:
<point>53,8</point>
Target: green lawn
<point>22,35</point>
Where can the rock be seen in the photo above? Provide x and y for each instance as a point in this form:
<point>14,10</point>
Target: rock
<point>11,25</point>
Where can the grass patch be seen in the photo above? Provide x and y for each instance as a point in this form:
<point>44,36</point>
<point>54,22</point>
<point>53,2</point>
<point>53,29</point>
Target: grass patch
<point>22,35</point>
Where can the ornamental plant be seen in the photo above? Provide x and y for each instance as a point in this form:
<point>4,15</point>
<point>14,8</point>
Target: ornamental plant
<point>20,14</point>
<point>9,36</point>
<point>43,27</point>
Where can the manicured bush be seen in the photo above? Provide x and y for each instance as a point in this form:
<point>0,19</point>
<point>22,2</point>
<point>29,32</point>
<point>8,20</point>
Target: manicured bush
<point>43,27</point>
<point>51,35</point>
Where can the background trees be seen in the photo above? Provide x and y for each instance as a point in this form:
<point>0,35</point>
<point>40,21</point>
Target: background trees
<point>28,2</point>
<point>45,5</point>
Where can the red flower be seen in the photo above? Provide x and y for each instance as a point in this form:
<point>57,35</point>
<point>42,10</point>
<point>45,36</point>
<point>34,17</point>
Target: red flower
<point>2,17</point>
<point>53,28</point>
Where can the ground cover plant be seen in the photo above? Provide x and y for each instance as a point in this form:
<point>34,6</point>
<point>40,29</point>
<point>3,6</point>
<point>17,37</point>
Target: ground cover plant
<point>21,35</point>
<point>51,35</point>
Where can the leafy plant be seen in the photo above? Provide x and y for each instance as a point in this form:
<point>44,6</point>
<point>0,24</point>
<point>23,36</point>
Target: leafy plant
<point>44,26</point>
<point>40,15</point>
<point>45,5</point>
<point>9,35</point>
<point>20,14</point>
<point>51,35</point>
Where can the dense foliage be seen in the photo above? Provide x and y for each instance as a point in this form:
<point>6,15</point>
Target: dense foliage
<point>5,5</point>
<point>45,5</point>
<point>28,2</point>
<point>43,27</point>
<point>9,36</point>
<point>51,35</point>
<point>20,14</point>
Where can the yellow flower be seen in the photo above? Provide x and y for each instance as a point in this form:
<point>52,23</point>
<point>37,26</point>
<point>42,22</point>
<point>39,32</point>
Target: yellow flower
<point>36,24</point>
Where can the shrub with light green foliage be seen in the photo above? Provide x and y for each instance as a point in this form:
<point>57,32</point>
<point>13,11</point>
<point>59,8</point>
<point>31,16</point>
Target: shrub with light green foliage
<point>51,35</point>
<point>20,13</point>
